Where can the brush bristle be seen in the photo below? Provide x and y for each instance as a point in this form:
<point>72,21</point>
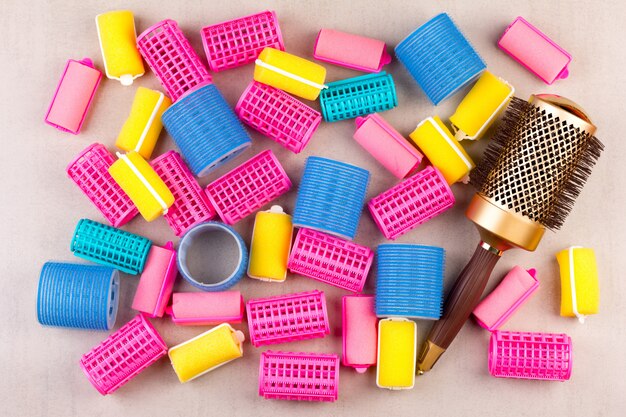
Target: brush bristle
<point>536,164</point>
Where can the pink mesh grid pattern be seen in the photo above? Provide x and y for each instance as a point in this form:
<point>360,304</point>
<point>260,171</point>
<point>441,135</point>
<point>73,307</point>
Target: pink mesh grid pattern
<point>172,59</point>
<point>287,318</point>
<point>191,205</point>
<point>412,202</point>
<point>90,171</point>
<point>299,376</point>
<point>123,355</point>
<point>248,187</point>
<point>330,259</point>
<point>240,41</point>
<point>530,355</point>
<point>278,116</point>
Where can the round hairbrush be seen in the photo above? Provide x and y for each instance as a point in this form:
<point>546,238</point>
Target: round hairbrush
<point>530,176</point>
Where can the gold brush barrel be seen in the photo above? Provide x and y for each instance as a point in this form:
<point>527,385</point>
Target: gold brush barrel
<point>530,176</point>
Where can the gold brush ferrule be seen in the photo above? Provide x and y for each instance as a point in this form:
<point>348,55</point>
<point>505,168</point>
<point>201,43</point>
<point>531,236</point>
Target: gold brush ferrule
<point>428,356</point>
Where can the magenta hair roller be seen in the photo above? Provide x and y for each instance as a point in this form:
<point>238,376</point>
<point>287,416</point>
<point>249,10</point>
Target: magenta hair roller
<point>156,281</point>
<point>512,292</point>
<point>414,201</point>
<point>385,144</point>
<point>206,308</point>
<point>123,355</point>
<point>351,51</point>
<point>73,96</point>
<point>526,355</point>
<point>330,259</point>
<point>359,331</point>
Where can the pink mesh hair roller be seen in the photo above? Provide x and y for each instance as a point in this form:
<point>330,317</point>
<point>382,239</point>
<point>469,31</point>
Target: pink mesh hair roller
<point>385,144</point>
<point>414,201</point>
<point>330,259</point>
<point>172,59</point>
<point>191,205</point>
<point>299,376</point>
<point>240,41</point>
<point>123,355</point>
<point>73,96</point>
<point>524,355</point>
<point>278,116</point>
<point>248,187</point>
<point>351,51</point>
<point>206,308</point>
<point>90,171</point>
<point>287,318</point>
<point>359,332</point>
<point>157,281</point>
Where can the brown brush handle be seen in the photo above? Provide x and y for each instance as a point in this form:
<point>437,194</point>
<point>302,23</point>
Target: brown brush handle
<point>464,296</point>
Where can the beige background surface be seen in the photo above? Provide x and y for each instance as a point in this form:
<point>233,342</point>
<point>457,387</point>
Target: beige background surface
<point>39,368</point>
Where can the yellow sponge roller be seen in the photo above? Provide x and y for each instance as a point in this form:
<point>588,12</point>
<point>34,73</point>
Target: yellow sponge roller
<point>206,352</point>
<point>271,241</point>
<point>118,42</point>
<point>144,186</point>
<point>143,126</point>
<point>290,73</point>
<point>442,149</point>
<point>397,343</point>
<point>580,292</point>
<point>480,107</point>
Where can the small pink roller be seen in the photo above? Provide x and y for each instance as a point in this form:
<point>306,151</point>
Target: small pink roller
<point>385,144</point>
<point>360,332</point>
<point>73,96</point>
<point>514,290</point>
<point>414,201</point>
<point>351,51</point>
<point>206,308</point>
<point>535,51</point>
<point>156,281</point>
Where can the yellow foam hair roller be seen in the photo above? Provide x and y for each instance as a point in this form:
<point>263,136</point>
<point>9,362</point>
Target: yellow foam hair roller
<point>397,344</point>
<point>269,248</point>
<point>141,130</point>
<point>442,149</point>
<point>290,73</point>
<point>206,352</point>
<point>580,292</point>
<point>118,43</point>
<point>480,107</point>
<point>142,184</point>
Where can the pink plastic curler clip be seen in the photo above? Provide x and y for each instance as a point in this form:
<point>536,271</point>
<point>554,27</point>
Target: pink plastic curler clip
<point>287,318</point>
<point>330,259</point>
<point>191,205</point>
<point>156,281</point>
<point>73,96</point>
<point>414,201</point>
<point>351,51</point>
<point>278,115</point>
<point>247,188</point>
<point>90,171</point>
<point>123,355</point>
<point>299,376</point>
<point>524,355</point>
<point>172,59</point>
<point>206,308</point>
<point>360,332</point>
<point>512,292</point>
<point>240,41</point>
<point>385,144</point>
<point>535,51</point>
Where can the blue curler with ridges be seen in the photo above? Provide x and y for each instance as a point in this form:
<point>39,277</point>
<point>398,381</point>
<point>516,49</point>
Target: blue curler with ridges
<point>205,129</point>
<point>78,296</point>
<point>212,256</point>
<point>330,197</point>
<point>409,281</point>
<point>108,246</point>
<point>358,96</point>
<point>440,58</point>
